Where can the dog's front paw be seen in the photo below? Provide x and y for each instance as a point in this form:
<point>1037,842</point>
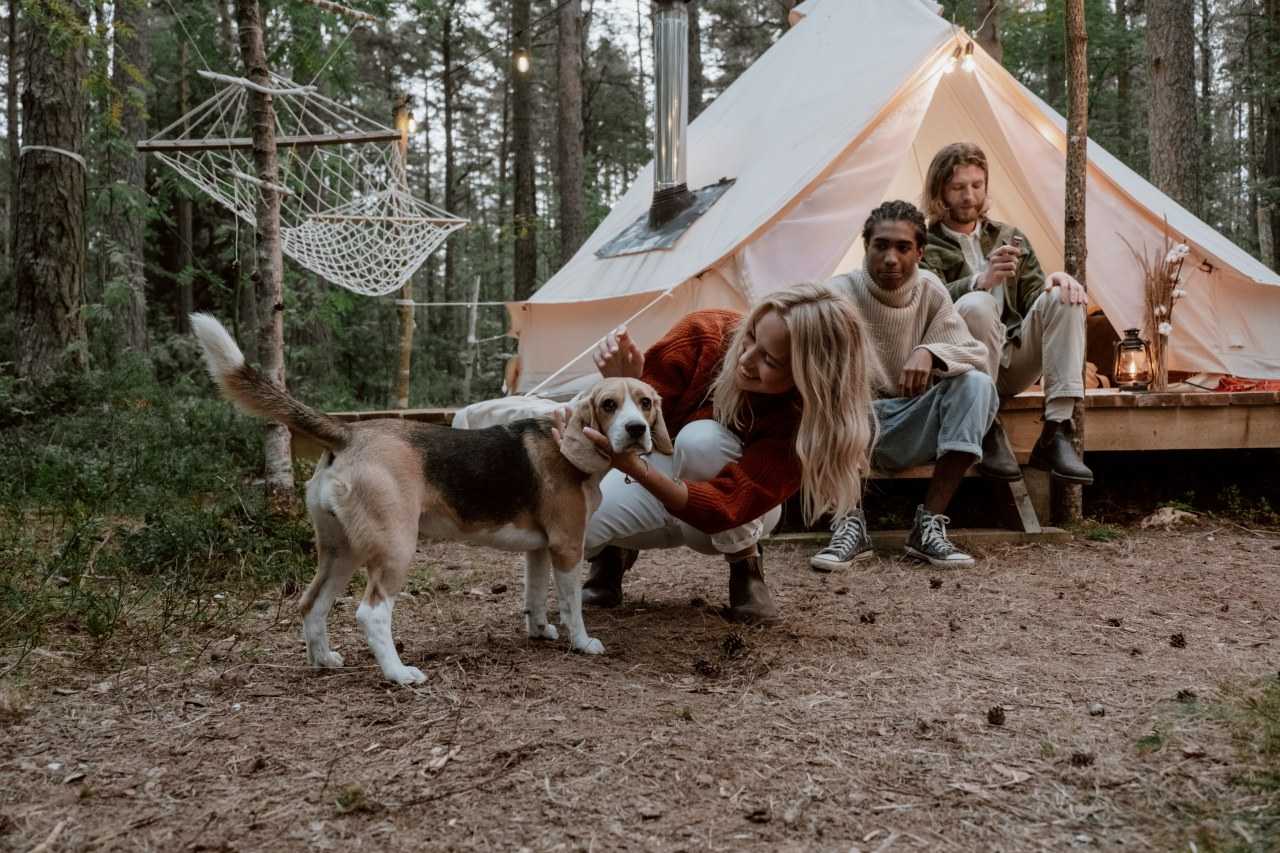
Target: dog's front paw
<point>543,632</point>
<point>406,675</point>
<point>591,646</point>
<point>325,660</point>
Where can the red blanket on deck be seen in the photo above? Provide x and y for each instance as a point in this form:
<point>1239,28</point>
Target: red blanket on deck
<point>1235,383</point>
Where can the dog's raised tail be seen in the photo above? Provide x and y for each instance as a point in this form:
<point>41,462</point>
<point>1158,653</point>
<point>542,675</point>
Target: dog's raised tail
<point>251,392</point>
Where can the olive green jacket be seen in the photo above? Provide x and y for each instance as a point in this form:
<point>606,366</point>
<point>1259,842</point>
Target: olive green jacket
<point>944,257</point>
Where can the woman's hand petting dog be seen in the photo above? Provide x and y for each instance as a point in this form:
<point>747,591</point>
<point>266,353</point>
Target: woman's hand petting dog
<point>632,464</point>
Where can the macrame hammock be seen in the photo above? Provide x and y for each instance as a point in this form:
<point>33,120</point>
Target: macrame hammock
<point>346,212</point>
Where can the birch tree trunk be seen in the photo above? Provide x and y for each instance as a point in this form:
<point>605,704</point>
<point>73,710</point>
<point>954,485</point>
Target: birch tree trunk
<point>569,135</point>
<point>49,246</point>
<point>269,275</point>
<point>404,372</point>
<point>1067,499</point>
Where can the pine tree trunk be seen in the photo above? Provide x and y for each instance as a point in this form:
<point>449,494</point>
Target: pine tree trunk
<point>126,172</point>
<point>269,275</point>
<point>1068,503</point>
<point>1124,85</point>
<point>1205,113</point>
<point>697,74</point>
<point>186,252</point>
<point>524,207</point>
<point>989,34</point>
<point>1172,114</point>
<point>11,114</point>
<point>569,135</point>
<point>49,251</point>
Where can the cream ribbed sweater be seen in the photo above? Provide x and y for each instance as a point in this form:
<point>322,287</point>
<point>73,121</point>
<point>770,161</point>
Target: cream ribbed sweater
<point>918,314</point>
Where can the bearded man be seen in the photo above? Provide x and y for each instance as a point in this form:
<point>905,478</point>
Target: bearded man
<point>1032,326</point>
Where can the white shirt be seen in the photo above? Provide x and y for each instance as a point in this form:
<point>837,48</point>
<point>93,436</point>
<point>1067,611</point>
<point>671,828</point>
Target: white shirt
<point>971,246</point>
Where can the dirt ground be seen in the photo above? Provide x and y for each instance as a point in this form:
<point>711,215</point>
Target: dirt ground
<point>868,721</point>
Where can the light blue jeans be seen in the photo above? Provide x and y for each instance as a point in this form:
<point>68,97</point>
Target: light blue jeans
<point>953,415</point>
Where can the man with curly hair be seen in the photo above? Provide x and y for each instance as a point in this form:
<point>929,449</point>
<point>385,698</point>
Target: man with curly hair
<point>935,402</point>
<point>1032,325</point>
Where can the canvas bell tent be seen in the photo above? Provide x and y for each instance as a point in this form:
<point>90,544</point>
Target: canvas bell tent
<point>844,111</point>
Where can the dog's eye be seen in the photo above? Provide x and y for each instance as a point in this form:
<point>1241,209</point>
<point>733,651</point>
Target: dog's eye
<point>646,404</point>
<point>610,406</point>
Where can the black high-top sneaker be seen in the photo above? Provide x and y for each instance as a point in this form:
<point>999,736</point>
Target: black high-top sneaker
<point>928,542</point>
<point>603,586</point>
<point>1054,453</point>
<point>849,543</point>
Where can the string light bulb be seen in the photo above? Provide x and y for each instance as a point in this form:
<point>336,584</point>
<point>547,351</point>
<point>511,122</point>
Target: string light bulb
<point>413,124</point>
<point>968,64</point>
<point>952,61</point>
<point>523,63</point>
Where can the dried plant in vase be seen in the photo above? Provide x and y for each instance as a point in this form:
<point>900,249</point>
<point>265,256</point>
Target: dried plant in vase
<point>1162,283</point>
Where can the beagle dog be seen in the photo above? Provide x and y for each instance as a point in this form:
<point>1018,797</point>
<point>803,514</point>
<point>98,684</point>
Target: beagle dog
<point>382,484</point>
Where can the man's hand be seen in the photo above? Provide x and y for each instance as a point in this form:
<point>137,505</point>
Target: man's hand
<point>1001,263</point>
<point>617,356</point>
<point>1070,291</point>
<point>917,373</point>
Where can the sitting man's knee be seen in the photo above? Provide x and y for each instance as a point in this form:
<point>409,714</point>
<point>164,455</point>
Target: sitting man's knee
<point>978,303</point>
<point>1051,302</point>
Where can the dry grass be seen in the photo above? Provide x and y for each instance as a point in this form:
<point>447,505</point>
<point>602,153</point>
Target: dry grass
<point>866,722</point>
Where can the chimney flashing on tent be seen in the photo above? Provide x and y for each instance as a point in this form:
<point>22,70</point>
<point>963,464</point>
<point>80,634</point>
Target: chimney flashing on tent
<point>674,207</point>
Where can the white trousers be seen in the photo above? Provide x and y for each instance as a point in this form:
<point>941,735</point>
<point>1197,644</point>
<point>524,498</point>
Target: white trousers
<point>630,516</point>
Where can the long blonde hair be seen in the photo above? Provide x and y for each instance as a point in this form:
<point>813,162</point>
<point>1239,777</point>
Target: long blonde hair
<point>832,367</point>
<point>944,164</point>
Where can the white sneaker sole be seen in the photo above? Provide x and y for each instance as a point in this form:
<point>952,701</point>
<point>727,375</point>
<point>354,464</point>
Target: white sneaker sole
<point>942,564</point>
<point>826,566</point>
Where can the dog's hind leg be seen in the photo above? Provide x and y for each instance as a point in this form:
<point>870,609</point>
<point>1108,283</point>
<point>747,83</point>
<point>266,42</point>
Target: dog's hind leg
<point>569,595</point>
<point>537,570</point>
<point>386,578</point>
<point>333,573</point>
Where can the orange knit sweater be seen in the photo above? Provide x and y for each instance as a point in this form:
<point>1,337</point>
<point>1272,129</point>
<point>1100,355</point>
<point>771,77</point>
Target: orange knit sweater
<point>681,368</point>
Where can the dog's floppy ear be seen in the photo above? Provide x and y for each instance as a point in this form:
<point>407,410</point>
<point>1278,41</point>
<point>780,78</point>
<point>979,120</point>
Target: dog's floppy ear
<point>661,438</point>
<point>584,414</point>
<point>574,445</point>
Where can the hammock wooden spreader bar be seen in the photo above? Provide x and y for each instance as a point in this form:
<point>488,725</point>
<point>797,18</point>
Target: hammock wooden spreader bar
<point>245,142</point>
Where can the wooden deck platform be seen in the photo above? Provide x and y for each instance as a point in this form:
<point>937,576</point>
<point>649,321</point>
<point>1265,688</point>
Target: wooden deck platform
<point>1115,420</point>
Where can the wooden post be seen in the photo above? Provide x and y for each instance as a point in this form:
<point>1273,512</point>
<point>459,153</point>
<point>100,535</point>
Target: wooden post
<point>1067,500</point>
<point>269,258</point>
<point>473,346</point>
<point>407,324</point>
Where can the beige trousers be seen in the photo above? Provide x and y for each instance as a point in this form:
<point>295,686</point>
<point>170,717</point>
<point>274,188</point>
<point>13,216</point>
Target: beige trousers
<point>1050,344</point>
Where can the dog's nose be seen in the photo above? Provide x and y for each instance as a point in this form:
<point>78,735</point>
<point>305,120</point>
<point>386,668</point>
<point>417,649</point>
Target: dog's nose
<point>636,429</point>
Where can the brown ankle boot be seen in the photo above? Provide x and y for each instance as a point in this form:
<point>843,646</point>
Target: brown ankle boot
<point>749,598</point>
<point>603,586</point>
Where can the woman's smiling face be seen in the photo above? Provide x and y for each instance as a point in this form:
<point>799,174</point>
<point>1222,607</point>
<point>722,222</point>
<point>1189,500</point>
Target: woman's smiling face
<point>765,364</point>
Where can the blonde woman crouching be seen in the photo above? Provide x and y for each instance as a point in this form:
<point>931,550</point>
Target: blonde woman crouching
<point>761,407</point>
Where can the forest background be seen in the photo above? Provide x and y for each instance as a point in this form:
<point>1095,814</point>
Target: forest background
<point>1183,91</point>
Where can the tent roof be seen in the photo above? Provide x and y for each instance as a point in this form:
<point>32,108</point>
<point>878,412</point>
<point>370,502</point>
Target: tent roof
<point>775,131</point>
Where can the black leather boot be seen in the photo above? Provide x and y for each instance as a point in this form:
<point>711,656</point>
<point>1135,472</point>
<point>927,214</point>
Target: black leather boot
<point>1053,453</point>
<point>603,586</point>
<point>749,598</point>
<point>998,461</point>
